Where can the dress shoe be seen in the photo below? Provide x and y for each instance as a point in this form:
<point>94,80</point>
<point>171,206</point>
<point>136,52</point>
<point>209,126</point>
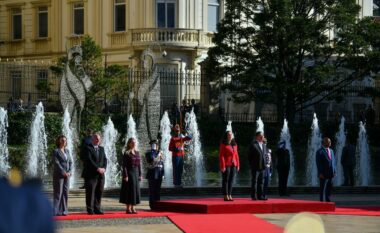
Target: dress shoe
<point>90,213</point>
<point>99,212</point>
<point>134,212</point>
<point>263,198</point>
<point>254,199</point>
<point>128,212</point>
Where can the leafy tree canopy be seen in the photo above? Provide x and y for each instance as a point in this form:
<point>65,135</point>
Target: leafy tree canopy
<point>294,53</point>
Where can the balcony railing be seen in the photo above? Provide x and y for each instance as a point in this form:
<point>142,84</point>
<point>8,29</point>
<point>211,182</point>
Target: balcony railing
<point>119,39</point>
<point>177,37</point>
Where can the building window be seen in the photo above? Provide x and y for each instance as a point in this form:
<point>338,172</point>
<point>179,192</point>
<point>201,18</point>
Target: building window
<point>16,24</point>
<point>42,22</point>
<point>119,15</point>
<point>78,17</point>
<point>213,15</point>
<point>376,7</point>
<point>42,84</point>
<point>166,13</point>
<point>16,84</point>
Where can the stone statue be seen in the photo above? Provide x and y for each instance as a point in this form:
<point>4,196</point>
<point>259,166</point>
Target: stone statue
<point>74,85</point>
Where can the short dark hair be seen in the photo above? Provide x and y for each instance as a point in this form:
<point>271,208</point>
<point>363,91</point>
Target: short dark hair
<point>258,133</point>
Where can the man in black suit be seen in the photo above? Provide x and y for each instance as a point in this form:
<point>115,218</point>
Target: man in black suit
<point>283,168</point>
<point>95,164</point>
<point>256,157</point>
<point>325,160</point>
<point>348,161</point>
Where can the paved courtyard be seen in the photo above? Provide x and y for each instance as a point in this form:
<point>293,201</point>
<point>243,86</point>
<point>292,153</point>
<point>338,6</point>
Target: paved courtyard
<point>332,223</point>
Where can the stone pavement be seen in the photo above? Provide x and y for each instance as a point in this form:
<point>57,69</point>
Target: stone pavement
<point>332,223</point>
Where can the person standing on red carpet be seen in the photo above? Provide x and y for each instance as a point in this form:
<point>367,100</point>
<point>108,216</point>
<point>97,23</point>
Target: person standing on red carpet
<point>256,158</point>
<point>95,165</point>
<point>326,165</point>
<point>229,163</point>
<point>61,176</point>
<point>131,171</point>
<point>176,146</point>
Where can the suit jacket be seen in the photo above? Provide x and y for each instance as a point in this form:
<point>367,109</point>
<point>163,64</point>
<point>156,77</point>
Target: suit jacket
<point>283,159</point>
<point>227,155</point>
<point>155,166</point>
<point>93,161</point>
<point>325,165</point>
<point>62,163</point>
<point>256,156</point>
<point>348,156</point>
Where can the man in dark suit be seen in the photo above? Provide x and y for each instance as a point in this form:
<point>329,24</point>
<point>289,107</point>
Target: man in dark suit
<point>348,162</point>
<point>95,164</point>
<point>283,168</point>
<point>256,157</point>
<point>325,159</point>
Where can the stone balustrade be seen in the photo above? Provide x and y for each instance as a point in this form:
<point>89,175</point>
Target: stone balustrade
<point>176,37</point>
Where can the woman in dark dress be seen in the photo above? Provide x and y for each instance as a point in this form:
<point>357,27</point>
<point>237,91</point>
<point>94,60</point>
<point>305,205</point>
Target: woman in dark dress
<point>131,171</point>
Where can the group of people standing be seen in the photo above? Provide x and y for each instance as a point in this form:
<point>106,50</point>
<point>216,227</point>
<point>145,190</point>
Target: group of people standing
<point>94,162</point>
<point>260,163</point>
<point>259,159</point>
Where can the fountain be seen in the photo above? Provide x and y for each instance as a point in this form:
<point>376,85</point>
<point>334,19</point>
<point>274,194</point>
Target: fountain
<point>195,147</point>
<point>4,166</point>
<point>315,142</point>
<point>110,136</point>
<point>229,126</point>
<point>131,132</point>
<point>340,143</point>
<point>36,154</point>
<point>285,136</point>
<point>165,129</point>
<point>259,125</point>
<point>70,137</point>
<point>363,157</point>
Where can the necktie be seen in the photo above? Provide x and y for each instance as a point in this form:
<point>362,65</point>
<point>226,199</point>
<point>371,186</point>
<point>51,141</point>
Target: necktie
<point>328,153</point>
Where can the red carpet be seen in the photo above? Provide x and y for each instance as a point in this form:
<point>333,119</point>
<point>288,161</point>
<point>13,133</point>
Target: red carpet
<point>242,205</point>
<point>358,211</point>
<point>223,223</point>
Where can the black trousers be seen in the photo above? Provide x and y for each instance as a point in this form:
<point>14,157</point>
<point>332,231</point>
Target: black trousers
<point>257,184</point>
<point>94,190</point>
<point>227,180</point>
<point>325,186</point>
<point>283,175</point>
<point>154,191</point>
<point>348,172</point>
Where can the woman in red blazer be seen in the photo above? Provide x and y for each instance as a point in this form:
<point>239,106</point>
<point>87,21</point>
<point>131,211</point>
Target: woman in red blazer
<point>229,163</point>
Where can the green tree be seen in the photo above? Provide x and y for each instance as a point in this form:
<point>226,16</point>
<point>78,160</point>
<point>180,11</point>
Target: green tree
<point>294,53</point>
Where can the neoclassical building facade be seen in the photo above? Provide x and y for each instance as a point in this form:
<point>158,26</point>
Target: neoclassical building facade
<point>44,29</point>
<point>179,32</point>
